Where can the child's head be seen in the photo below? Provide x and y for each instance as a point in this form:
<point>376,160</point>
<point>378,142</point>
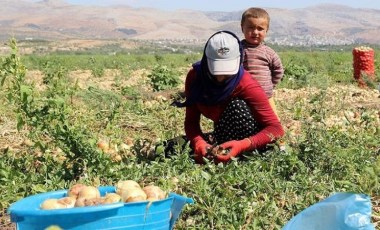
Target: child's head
<point>255,25</point>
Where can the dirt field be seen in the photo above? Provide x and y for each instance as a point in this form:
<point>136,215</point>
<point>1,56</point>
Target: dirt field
<point>354,99</point>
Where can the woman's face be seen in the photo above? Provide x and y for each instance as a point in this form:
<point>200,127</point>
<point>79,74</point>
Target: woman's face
<point>222,78</point>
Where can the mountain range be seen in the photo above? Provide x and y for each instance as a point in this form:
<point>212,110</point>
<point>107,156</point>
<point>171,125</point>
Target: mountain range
<point>325,24</point>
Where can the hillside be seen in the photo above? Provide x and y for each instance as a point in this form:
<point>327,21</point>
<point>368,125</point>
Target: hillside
<point>56,20</point>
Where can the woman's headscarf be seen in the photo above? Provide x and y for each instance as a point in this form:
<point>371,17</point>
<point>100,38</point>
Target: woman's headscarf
<point>205,89</point>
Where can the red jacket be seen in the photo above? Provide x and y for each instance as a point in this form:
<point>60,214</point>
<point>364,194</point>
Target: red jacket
<point>248,90</point>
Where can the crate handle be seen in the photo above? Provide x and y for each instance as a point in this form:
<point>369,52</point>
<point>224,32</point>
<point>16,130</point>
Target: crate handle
<point>178,203</point>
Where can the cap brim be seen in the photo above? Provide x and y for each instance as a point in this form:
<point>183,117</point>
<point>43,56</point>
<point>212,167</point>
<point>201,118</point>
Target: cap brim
<point>223,67</point>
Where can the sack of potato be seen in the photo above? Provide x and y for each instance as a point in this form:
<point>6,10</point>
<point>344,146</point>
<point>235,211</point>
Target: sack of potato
<point>363,63</point>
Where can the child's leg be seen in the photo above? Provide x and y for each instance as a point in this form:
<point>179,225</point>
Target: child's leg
<point>273,105</point>
<point>281,142</point>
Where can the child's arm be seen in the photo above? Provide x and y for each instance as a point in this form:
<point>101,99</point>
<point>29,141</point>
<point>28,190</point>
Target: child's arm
<point>277,69</point>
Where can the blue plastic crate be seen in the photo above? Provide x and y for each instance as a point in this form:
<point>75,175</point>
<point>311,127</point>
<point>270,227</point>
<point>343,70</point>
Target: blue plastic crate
<point>162,214</point>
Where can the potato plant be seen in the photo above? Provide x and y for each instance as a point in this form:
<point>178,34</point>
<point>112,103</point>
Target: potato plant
<point>52,132</point>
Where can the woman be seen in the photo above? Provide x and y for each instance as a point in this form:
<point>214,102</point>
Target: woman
<point>218,88</point>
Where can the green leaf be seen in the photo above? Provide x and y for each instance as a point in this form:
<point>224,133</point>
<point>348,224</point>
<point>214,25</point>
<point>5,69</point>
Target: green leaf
<point>4,174</point>
<point>20,122</point>
<point>205,175</point>
<point>160,149</point>
<point>38,188</point>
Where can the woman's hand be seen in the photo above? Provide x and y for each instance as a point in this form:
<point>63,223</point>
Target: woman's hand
<point>201,148</point>
<point>232,149</point>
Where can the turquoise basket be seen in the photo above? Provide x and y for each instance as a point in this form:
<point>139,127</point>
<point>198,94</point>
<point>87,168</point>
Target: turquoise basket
<point>162,214</point>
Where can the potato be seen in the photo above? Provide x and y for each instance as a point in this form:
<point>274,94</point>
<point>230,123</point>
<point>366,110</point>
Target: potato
<point>122,186</point>
<point>154,193</point>
<point>133,195</point>
<point>53,227</point>
<point>68,202</point>
<point>50,204</point>
<point>65,202</point>
<point>103,145</point>
<point>110,198</point>
<point>89,192</point>
<point>94,201</point>
<point>80,202</point>
<point>75,189</point>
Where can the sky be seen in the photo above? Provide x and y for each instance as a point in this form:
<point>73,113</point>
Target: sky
<point>227,5</point>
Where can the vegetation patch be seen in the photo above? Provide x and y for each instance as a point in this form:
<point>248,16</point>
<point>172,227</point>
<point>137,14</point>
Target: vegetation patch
<point>55,134</point>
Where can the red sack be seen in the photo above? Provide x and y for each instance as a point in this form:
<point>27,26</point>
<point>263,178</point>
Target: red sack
<point>364,64</point>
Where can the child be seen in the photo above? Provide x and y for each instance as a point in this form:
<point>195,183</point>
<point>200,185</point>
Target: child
<point>259,60</point>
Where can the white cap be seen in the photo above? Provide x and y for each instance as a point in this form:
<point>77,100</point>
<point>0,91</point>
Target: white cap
<point>223,54</point>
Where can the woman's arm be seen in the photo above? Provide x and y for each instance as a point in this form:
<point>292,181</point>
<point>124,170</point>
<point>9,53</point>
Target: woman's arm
<point>250,91</point>
<point>192,123</point>
<point>192,115</point>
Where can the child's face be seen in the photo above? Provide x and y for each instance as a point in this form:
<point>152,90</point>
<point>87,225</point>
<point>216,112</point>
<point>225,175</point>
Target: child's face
<point>255,30</point>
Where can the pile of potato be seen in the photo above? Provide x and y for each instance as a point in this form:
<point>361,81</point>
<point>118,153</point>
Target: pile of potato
<point>80,195</point>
